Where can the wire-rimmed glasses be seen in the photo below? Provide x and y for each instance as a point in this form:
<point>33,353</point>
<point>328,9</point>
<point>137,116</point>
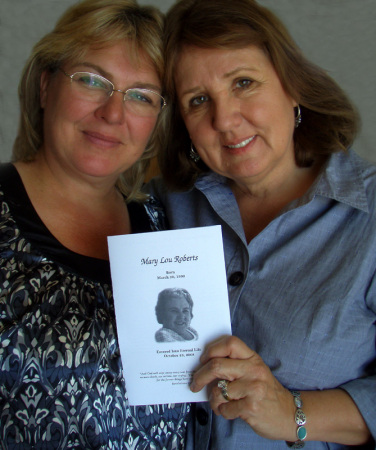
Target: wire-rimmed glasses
<point>139,101</point>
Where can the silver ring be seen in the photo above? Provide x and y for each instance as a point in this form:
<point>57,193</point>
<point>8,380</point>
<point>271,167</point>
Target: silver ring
<point>222,384</point>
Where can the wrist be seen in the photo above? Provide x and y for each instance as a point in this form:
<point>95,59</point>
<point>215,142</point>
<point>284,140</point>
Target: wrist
<point>300,421</point>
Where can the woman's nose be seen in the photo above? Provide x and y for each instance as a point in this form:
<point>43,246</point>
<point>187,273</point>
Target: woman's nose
<point>113,109</point>
<point>226,114</point>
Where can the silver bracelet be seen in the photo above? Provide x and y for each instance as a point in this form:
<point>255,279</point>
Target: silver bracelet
<point>300,420</point>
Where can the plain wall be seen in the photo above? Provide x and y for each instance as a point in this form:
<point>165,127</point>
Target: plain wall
<point>338,35</point>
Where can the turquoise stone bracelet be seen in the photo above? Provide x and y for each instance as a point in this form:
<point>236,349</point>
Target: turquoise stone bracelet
<point>300,420</point>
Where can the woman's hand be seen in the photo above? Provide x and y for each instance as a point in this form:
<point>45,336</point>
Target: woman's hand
<point>255,394</point>
<point>259,399</point>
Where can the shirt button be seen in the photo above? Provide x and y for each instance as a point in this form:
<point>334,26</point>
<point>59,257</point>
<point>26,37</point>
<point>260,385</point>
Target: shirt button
<point>236,279</point>
<point>202,416</point>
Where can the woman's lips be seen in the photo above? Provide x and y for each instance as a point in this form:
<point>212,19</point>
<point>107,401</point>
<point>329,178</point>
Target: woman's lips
<point>241,144</point>
<point>102,139</point>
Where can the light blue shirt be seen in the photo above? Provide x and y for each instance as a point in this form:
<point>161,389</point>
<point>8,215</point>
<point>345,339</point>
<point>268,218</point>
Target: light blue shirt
<point>302,293</point>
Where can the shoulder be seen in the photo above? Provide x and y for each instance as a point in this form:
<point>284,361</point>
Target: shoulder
<point>194,332</point>
<point>365,168</point>
<point>155,211</point>
<point>156,214</point>
<point>163,335</point>
<point>175,204</point>
<point>147,216</point>
<point>167,335</point>
<point>7,170</point>
<point>206,203</point>
<point>15,202</point>
<point>366,171</point>
<point>157,189</point>
<point>349,179</point>
<point>173,200</point>
<point>13,192</point>
<point>9,178</point>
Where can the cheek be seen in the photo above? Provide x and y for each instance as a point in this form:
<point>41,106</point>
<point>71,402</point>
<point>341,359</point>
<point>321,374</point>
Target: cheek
<point>199,130</point>
<point>141,127</point>
<point>260,112</point>
<point>66,109</point>
<point>280,108</point>
<point>170,317</point>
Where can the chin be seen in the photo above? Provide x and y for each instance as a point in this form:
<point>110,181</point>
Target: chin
<point>245,170</point>
<point>102,168</point>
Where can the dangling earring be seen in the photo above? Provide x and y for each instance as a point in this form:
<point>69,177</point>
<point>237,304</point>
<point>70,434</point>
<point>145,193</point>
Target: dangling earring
<point>298,118</point>
<point>193,154</point>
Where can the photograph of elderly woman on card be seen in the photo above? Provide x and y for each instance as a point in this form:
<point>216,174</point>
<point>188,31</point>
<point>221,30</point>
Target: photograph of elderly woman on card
<point>174,312</point>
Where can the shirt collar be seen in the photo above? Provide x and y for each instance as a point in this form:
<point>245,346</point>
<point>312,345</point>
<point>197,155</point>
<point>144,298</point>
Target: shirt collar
<point>340,179</point>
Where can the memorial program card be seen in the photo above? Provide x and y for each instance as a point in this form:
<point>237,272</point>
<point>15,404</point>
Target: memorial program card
<point>171,299</point>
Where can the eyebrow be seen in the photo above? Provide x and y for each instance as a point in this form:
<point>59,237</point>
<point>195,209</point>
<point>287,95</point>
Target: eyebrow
<point>107,75</point>
<point>175,308</point>
<point>196,89</point>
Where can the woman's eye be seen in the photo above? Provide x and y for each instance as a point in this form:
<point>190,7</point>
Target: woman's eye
<point>90,81</point>
<point>137,96</point>
<point>243,83</point>
<point>197,101</point>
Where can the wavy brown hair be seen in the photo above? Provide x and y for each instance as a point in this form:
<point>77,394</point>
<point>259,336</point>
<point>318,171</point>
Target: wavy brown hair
<point>329,120</point>
<point>89,24</point>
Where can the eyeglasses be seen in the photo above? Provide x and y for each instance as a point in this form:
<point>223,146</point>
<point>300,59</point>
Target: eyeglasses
<point>95,88</point>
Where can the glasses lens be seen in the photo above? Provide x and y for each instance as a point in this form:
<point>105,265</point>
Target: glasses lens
<point>91,86</point>
<point>143,102</point>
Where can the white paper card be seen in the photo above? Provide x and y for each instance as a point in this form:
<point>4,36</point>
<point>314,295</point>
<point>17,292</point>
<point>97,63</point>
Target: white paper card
<point>188,263</point>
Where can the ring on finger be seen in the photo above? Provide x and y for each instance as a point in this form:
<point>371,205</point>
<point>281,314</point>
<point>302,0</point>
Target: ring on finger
<point>222,384</point>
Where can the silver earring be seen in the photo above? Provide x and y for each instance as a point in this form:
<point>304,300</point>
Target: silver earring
<point>298,118</point>
<point>193,154</point>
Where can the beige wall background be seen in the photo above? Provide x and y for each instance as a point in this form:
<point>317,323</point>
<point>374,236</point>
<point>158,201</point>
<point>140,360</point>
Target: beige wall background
<point>339,35</point>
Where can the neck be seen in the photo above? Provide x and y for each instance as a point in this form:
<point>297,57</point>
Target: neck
<point>286,184</point>
<point>78,211</point>
<point>48,178</point>
<point>260,202</point>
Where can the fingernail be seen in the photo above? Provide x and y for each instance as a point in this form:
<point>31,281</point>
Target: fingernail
<point>193,386</point>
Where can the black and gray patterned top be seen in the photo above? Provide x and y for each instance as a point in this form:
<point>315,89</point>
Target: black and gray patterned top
<point>61,376</point>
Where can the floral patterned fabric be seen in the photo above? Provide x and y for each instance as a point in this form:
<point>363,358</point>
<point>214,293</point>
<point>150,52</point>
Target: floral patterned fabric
<point>61,376</point>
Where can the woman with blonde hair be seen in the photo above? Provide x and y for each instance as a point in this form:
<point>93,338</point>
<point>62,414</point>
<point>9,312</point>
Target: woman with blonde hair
<point>91,98</point>
<point>259,143</point>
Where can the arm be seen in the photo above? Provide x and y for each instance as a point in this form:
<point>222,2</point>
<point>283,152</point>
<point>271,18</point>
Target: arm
<point>259,399</point>
<point>334,417</point>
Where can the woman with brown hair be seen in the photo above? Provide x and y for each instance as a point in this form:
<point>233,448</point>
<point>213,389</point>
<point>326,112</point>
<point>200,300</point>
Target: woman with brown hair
<point>259,142</point>
<point>91,98</point>
<point>174,312</point>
